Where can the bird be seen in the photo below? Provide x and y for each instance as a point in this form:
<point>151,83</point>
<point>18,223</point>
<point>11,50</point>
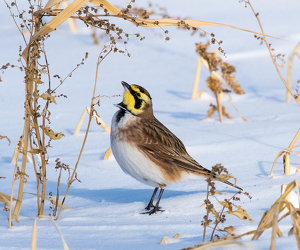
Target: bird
<point>147,150</point>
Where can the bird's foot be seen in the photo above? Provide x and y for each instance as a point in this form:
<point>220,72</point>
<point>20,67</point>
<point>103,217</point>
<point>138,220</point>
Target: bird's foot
<point>154,210</point>
<point>149,206</point>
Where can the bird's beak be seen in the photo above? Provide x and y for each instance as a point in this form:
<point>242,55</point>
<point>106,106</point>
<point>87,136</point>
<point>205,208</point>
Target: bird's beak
<point>121,105</point>
<point>126,86</point>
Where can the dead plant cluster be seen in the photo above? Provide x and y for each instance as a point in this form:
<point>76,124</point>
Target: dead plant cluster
<point>140,16</point>
<point>37,134</point>
<point>92,16</point>
<point>227,207</point>
<point>215,64</point>
<point>281,209</point>
<point>275,57</point>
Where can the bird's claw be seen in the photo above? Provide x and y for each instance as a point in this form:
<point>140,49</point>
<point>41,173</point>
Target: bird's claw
<point>153,211</point>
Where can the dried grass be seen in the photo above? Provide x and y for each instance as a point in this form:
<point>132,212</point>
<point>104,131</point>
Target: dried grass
<point>106,52</point>
<point>5,137</point>
<point>228,206</point>
<point>213,245</point>
<point>288,151</point>
<point>96,117</point>
<point>289,68</point>
<point>273,56</point>
<point>34,232</point>
<point>215,82</point>
<point>269,219</point>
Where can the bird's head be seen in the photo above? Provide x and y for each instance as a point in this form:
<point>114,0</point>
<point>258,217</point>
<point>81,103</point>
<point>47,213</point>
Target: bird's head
<point>136,99</point>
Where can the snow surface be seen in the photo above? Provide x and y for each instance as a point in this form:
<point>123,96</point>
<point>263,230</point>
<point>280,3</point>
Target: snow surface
<point>106,205</point>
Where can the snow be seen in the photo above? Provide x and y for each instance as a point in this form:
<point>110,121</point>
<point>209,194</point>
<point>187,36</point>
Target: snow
<point>106,205</point>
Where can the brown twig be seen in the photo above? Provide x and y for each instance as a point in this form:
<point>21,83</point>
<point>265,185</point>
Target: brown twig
<point>207,214</point>
<point>12,189</point>
<point>215,227</point>
<point>13,17</point>
<point>37,178</point>
<point>273,59</point>
<point>100,59</point>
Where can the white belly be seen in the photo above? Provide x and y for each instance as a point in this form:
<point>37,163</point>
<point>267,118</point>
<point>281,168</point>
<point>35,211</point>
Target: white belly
<point>137,165</point>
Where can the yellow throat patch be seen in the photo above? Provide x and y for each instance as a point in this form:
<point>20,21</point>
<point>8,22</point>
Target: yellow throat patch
<point>131,102</point>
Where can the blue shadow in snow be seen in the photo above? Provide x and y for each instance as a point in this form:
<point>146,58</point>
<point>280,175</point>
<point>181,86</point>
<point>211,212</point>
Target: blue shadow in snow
<point>6,159</point>
<point>183,115</point>
<point>264,167</point>
<point>180,94</point>
<point>116,195</point>
<point>122,195</point>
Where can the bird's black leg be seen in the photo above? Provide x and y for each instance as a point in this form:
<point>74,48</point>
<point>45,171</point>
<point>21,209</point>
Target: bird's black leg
<point>156,207</point>
<point>150,204</point>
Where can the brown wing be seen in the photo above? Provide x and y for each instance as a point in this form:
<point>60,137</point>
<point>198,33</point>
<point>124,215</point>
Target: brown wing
<point>167,150</point>
<point>164,148</point>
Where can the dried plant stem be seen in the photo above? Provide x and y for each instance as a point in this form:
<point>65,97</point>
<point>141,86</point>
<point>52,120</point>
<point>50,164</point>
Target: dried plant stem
<point>12,190</point>
<point>219,106</point>
<point>42,155</point>
<point>273,59</point>
<point>207,214</point>
<point>34,165</point>
<point>29,112</point>
<point>107,153</point>
<point>44,179</point>
<point>287,168</point>
<point>37,179</point>
<point>86,133</point>
<point>215,227</point>
<point>34,232</point>
<point>40,139</point>
<point>195,93</point>
<point>57,193</point>
<point>12,15</point>
<point>24,158</point>
<point>287,155</point>
<point>289,73</point>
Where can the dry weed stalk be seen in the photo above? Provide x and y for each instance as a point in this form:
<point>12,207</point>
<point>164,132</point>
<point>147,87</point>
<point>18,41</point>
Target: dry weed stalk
<point>214,63</point>
<point>273,56</point>
<point>269,219</point>
<point>228,204</point>
<point>34,232</point>
<point>289,72</point>
<point>60,166</point>
<point>90,17</point>
<point>37,135</point>
<point>5,137</point>
<point>96,118</point>
<point>286,158</point>
<point>104,53</point>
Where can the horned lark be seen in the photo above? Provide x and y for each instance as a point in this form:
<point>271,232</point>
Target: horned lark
<point>148,151</point>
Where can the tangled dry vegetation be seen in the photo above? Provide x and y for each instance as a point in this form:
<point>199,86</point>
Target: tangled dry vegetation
<point>216,63</point>
<point>227,207</point>
<point>37,135</point>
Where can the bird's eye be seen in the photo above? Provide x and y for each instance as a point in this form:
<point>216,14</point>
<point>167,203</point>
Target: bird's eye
<point>138,94</point>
